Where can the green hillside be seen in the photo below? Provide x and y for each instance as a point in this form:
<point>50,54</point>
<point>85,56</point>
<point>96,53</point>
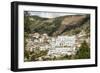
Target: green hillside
<point>62,25</point>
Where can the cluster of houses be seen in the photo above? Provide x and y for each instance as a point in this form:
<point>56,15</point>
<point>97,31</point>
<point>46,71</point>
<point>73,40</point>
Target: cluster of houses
<point>63,45</point>
<point>56,46</point>
<point>38,41</point>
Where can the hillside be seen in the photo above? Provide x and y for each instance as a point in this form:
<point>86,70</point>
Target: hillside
<point>42,36</point>
<point>70,25</point>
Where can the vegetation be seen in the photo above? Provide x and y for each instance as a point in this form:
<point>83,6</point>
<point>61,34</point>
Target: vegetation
<point>84,51</point>
<point>34,55</point>
<point>54,27</point>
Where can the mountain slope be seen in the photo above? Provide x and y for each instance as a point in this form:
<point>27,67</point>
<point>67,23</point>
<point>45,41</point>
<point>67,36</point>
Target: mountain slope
<point>59,25</point>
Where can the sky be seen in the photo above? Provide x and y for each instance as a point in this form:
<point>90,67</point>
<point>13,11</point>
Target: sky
<point>49,14</point>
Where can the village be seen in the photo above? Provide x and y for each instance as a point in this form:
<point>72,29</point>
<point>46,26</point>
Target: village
<point>55,47</point>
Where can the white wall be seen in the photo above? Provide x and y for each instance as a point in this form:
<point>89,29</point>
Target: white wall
<point>5,36</point>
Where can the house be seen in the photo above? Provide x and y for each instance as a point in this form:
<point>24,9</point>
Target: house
<point>36,35</point>
<point>65,41</point>
<point>63,45</point>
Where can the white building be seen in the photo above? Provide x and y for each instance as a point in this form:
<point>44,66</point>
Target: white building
<point>36,35</point>
<point>63,45</point>
<point>65,41</point>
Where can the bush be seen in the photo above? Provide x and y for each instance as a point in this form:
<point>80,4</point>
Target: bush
<point>84,51</point>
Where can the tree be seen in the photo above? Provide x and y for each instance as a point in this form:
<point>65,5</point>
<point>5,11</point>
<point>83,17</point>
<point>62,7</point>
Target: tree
<point>84,51</point>
<point>38,53</point>
<point>76,31</point>
<point>27,22</point>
